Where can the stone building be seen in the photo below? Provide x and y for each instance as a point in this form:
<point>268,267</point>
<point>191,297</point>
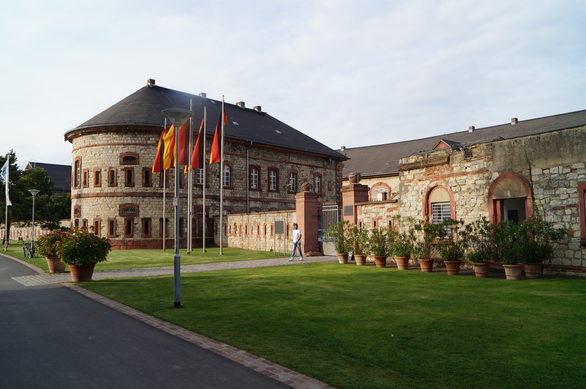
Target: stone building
<point>114,193</point>
<point>505,172</point>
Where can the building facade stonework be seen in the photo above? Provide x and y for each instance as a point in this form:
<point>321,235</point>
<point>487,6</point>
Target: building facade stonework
<point>115,194</point>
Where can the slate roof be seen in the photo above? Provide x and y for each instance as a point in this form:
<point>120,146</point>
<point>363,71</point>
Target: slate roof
<point>143,108</point>
<point>59,175</point>
<point>384,159</point>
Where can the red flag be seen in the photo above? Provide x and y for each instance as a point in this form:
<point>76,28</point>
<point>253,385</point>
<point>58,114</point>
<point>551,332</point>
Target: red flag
<point>158,162</point>
<point>197,157</point>
<point>216,152</point>
<point>184,144</point>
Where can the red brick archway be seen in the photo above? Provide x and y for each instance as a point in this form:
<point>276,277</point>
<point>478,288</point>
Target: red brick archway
<point>519,186</point>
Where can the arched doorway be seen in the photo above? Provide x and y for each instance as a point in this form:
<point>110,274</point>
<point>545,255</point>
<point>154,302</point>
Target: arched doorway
<point>509,198</point>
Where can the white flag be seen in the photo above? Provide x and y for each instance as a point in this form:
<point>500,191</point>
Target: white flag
<point>4,174</point>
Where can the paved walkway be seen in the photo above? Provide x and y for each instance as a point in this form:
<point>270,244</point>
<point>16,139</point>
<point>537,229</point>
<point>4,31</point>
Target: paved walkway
<point>47,279</point>
<point>192,365</point>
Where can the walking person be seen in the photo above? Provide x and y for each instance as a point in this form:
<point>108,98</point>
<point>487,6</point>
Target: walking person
<point>296,242</point>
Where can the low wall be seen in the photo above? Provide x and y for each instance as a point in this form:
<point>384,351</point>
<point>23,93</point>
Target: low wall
<point>376,214</point>
<point>256,231</point>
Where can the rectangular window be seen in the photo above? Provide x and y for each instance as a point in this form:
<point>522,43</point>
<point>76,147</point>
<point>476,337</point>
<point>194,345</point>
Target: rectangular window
<point>226,177</point>
<point>146,227</point>
<point>198,176</point>
<point>84,224</point>
<point>85,178</point>
<point>97,228</point>
<point>97,178</point>
<point>112,181</point>
<point>111,228</point>
<point>181,227</point>
<point>292,182</point>
<point>253,177</point>
<point>77,173</point>
<point>317,184</point>
<point>273,180</point>
<point>163,176</point>
<point>128,176</point>
<point>440,212</point>
<point>76,223</point>
<point>147,177</point>
<point>128,227</point>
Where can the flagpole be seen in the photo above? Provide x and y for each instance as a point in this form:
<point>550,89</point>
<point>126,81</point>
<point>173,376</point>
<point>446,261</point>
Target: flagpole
<point>222,180</point>
<point>164,222</point>
<point>6,201</point>
<point>189,182</point>
<point>204,180</point>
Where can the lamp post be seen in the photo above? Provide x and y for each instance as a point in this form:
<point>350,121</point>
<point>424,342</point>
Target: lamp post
<point>34,192</point>
<point>178,117</point>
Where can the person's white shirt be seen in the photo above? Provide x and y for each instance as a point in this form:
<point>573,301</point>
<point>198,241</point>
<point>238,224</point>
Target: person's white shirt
<point>296,236</point>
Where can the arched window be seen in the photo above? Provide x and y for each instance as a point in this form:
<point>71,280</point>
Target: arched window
<point>439,205</point>
<point>129,158</point>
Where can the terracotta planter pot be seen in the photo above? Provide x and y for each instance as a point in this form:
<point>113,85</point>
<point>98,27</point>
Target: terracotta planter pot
<point>380,260</point>
<point>426,265</point>
<point>55,265</point>
<point>82,273</point>
<point>402,263</point>
<point>342,258</point>
<point>513,272</point>
<point>481,269</point>
<point>533,270</point>
<point>453,267</point>
<point>360,259</point>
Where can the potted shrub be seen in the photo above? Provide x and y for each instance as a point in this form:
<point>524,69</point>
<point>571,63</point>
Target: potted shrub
<point>452,247</point>
<point>338,232</point>
<point>81,250</point>
<point>424,245</point>
<point>48,246</point>
<point>356,240</point>
<point>540,236</point>
<point>508,239</point>
<point>401,246</point>
<point>377,245</point>
<point>480,247</point>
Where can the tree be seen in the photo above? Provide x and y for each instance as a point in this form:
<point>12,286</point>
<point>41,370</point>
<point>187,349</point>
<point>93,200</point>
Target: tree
<point>15,198</point>
<point>49,207</point>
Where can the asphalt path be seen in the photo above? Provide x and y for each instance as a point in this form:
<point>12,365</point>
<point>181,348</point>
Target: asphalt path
<point>53,337</point>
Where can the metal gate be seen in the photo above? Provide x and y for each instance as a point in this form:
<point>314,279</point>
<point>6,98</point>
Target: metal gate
<point>327,215</point>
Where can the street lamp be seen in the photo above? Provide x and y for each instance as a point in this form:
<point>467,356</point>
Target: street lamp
<point>34,192</point>
<point>178,117</point>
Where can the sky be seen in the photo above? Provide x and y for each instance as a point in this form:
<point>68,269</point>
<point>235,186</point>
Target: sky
<point>347,73</point>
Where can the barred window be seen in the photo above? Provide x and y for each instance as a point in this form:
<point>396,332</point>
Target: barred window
<point>226,177</point>
<point>440,212</point>
<point>199,176</point>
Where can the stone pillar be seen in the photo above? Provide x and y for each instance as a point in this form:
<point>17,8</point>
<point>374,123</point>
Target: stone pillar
<point>353,194</point>
<point>306,208</point>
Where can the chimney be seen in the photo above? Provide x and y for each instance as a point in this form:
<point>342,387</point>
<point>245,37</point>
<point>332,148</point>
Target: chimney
<point>471,128</point>
<point>203,94</point>
<point>342,148</point>
<point>257,108</point>
<point>514,121</point>
<point>241,104</point>
<point>151,82</point>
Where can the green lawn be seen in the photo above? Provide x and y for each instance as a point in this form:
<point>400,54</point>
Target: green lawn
<point>363,327</point>
<point>128,259</point>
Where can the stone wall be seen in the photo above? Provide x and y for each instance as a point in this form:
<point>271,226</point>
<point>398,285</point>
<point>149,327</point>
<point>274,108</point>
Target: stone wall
<point>256,231</point>
<point>135,208</point>
<point>551,164</point>
<point>377,214</point>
